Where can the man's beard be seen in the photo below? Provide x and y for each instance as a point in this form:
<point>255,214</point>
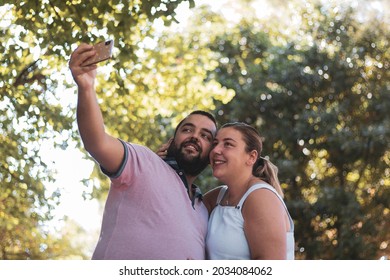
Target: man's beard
<point>191,165</point>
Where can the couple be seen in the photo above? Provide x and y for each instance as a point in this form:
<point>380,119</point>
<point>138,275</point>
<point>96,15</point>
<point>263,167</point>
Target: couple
<point>153,209</point>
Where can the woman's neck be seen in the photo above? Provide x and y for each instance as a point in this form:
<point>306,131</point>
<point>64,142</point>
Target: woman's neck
<point>238,189</point>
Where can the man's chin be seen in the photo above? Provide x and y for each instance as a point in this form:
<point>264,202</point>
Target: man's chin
<point>190,156</point>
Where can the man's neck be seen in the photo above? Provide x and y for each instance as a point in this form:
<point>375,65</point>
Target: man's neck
<point>188,178</point>
<point>190,181</point>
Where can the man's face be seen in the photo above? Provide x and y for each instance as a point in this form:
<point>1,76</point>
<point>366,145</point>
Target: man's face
<point>192,144</point>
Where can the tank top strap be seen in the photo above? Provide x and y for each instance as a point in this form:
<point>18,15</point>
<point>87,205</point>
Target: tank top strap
<point>268,187</point>
<point>221,194</point>
<point>249,191</point>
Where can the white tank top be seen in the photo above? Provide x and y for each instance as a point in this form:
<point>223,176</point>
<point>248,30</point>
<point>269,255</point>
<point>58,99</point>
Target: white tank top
<point>225,236</point>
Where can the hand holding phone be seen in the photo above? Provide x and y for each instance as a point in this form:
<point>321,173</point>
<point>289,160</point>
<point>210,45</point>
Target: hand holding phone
<point>103,52</point>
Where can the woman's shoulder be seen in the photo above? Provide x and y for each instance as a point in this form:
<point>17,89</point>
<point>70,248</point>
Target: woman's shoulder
<point>210,197</point>
<point>263,201</point>
<point>215,190</point>
<point>262,192</point>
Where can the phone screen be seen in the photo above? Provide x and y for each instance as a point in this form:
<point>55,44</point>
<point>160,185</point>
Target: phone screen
<point>103,52</point>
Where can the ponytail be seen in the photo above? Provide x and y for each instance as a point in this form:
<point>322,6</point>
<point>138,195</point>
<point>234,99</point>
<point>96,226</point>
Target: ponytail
<point>268,172</point>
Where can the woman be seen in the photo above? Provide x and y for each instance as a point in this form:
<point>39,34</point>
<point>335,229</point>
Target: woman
<point>248,218</point>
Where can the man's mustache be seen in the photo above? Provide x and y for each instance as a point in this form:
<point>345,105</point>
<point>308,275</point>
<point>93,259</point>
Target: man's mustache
<point>192,141</point>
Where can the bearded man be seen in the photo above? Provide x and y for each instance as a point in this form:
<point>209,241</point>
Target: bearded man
<point>153,211</point>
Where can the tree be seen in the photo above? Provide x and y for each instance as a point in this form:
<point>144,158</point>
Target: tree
<point>331,146</point>
<point>141,90</point>
<point>318,91</point>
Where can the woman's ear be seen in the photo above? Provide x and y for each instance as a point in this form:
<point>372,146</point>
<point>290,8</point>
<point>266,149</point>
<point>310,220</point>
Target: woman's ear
<point>253,155</point>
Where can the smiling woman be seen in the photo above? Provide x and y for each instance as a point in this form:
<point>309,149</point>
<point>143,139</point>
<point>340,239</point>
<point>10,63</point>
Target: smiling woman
<point>249,210</point>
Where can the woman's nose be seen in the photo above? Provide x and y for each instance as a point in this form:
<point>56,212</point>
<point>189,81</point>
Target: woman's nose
<point>216,149</point>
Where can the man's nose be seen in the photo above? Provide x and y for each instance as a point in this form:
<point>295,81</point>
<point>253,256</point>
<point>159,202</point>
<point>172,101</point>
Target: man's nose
<point>195,138</point>
<point>196,135</point>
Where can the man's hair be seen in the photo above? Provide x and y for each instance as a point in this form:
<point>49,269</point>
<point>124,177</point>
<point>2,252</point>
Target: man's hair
<point>197,112</point>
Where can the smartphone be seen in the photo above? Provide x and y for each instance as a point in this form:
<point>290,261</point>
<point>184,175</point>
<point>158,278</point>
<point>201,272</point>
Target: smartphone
<point>103,52</point>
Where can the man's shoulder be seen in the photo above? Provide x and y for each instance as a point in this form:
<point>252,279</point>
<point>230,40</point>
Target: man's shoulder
<point>138,148</point>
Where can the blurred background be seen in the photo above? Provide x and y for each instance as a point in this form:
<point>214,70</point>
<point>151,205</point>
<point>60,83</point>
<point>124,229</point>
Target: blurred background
<point>312,76</point>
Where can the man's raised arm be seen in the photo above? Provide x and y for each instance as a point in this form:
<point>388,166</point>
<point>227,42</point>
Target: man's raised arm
<point>105,149</point>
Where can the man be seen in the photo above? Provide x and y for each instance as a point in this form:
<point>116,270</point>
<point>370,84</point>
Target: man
<point>153,211</point>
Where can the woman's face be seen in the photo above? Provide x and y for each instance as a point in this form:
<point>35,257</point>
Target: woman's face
<point>228,157</point>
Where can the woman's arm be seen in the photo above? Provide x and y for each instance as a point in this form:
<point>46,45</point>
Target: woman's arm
<point>265,225</point>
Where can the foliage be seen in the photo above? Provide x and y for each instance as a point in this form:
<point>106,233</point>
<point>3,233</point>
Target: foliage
<point>37,39</point>
<point>315,81</point>
<point>318,90</point>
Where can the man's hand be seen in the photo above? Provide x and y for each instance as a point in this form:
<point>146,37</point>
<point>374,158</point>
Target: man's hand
<point>84,76</point>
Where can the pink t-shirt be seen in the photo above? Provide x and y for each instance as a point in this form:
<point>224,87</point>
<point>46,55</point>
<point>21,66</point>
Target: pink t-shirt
<point>148,214</point>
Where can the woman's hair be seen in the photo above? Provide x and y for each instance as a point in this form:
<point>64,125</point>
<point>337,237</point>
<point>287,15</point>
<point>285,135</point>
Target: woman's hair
<point>263,168</point>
